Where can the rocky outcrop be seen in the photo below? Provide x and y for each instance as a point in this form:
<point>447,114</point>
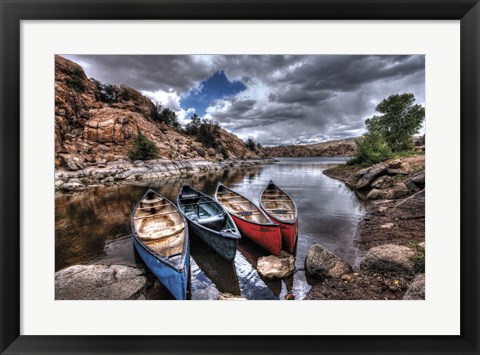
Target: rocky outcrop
<point>343,148</point>
<point>321,263</point>
<point>416,291</point>
<point>276,267</point>
<point>389,258</point>
<point>99,282</point>
<point>95,127</point>
<point>130,171</point>
<point>367,175</point>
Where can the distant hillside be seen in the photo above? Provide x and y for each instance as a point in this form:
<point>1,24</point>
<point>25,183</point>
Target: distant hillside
<point>345,148</point>
<point>93,126</point>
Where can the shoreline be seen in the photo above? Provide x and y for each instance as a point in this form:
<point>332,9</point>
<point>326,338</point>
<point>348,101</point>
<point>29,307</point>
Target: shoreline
<point>125,171</point>
<point>391,233</point>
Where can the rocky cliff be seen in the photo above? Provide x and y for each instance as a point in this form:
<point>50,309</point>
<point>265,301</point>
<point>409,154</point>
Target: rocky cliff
<point>94,127</point>
<point>345,148</point>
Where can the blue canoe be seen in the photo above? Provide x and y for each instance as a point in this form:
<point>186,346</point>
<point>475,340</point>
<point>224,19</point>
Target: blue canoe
<point>210,221</point>
<point>160,235</point>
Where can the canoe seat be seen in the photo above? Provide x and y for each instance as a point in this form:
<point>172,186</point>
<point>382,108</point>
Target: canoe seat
<point>245,213</point>
<point>279,211</point>
<point>211,220</point>
<point>162,233</point>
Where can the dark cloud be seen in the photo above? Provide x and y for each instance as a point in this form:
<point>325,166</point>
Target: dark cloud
<point>288,99</point>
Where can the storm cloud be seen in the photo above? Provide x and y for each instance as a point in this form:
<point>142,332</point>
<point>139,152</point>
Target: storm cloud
<point>283,99</point>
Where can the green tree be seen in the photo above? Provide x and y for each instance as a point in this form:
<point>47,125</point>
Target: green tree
<point>392,132</point>
<point>208,132</point>
<point>250,144</point>
<point>194,124</point>
<point>165,115</point>
<point>143,149</point>
<point>401,118</point>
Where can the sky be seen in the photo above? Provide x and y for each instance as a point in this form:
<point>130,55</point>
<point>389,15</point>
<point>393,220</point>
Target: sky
<point>273,99</point>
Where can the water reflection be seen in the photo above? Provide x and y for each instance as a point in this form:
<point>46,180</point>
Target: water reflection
<point>93,227</point>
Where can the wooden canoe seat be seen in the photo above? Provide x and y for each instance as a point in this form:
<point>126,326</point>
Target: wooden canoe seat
<point>274,200</point>
<point>152,201</point>
<point>206,221</point>
<point>247,213</point>
<point>278,211</point>
<point>156,214</point>
<point>162,233</point>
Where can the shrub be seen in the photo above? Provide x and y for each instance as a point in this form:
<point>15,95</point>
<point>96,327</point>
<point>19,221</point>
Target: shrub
<point>192,127</point>
<point>371,149</point>
<point>165,115</point>
<point>419,258</point>
<point>75,80</point>
<point>143,149</point>
<point>208,133</point>
<point>250,144</point>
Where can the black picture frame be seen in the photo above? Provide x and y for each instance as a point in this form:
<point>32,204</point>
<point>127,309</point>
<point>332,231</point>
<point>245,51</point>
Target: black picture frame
<point>13,12</point>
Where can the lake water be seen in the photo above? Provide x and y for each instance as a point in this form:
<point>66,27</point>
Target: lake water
<point>94,227</point>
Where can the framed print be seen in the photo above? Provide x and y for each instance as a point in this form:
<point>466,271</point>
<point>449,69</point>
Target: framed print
<point>313,163</point>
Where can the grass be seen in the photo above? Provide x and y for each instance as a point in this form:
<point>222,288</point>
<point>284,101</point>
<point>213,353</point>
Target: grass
<point>419,258</point>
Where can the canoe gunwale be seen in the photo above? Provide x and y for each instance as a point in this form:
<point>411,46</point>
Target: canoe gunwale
<point>235,236</point>
<point>272,216</point>
<point>239,216</point>
<point>161,258</point>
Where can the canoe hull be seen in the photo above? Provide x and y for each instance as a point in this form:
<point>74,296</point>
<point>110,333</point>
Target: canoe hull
<point>289,233</point>
<point>175,281</point>
<point>226,247</point>
<point>267,236</point>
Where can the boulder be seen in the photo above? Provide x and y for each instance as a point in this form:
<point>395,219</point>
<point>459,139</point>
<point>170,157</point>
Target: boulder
<point>397,191</point>
<point>367,175</point>
<point>383,182</point>
<point>276,267</point>
<point>72,187</point>
<point>376,194</point>
<point>394,164</point>
<point>418,179</point>
<point>321,263</point>
<point>72,162</point>
<point>99,282</point>
<point>389,258</point>
<point>416,290</point>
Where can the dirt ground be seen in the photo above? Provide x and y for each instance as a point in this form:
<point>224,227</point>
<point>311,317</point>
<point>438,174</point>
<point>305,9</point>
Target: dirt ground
<point>394,221</point>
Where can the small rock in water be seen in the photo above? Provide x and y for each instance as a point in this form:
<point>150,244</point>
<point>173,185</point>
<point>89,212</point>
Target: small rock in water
<point>276,267</point>
<point>289,296</point>
<point>387,226</point>
<point>347,278</point>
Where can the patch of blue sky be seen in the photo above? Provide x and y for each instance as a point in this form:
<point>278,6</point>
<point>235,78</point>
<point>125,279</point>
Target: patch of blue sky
<point>215,87</point>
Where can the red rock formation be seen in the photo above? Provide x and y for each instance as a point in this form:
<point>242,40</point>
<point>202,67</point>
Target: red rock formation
<point>90,130</point>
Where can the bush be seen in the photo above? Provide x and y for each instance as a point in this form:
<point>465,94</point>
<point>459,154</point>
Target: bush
<point>208,133</point>
<point>143,149</point>
<point>250,144</point>
<point>192,127</point>
<point>165,115</point>
<point>371,149</point>
<point>419,258</point>
<point>75,80</point>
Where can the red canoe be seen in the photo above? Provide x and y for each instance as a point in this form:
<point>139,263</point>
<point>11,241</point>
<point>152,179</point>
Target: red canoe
<point>250,220</point>
<point>283,211</point>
